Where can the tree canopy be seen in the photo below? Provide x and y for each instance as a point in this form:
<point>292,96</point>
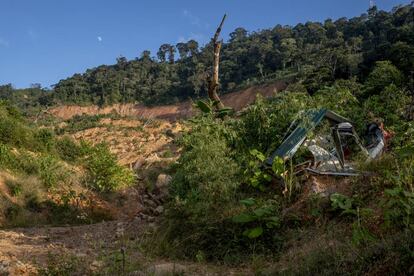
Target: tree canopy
<point>315,53</point>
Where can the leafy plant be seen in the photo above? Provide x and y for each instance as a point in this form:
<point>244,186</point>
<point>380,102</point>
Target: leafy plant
<point>360,234</point>
<point>104,174</point>
<point>257,177</point>
<point>257,218</point>
<point>342,203</point>
<point>67,149</point>
<point>50,171</point>
<point>399,207</point>
<point>209,106</point>
<point>256,174</point>
<point>15,188</point>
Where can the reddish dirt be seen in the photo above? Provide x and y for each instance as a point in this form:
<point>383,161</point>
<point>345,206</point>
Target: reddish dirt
<point>236,100</point>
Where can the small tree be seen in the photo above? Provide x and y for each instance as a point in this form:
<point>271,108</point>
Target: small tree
<point>383,74</point>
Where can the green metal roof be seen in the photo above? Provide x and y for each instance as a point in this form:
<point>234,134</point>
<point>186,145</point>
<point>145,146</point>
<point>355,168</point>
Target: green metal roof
<point>308,122</point>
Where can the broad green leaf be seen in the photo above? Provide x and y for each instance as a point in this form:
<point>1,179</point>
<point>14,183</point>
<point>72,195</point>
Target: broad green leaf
<point>262,211</point>
<point>243,218</point>
<point>257,154</point>
<point>278,166</point>
<point>204,106</point>
<point>248,201</point>
<point>254,232</point>
<point>267,177</point>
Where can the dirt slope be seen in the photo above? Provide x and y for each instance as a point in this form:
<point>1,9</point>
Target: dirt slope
<point>236,100</point>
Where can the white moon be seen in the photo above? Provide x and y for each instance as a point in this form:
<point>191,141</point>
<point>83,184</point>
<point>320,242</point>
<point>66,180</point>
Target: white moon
<point>99,38</point>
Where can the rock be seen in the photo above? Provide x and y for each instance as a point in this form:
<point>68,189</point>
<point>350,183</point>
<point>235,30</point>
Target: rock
<point>4,267</point>
<point>163,180</point>
<point>150,203</point>
<point>95,265</point>
<point>166,269</point>
<point>159,210</point>
<point>169,133</point>
<point>139,163</point>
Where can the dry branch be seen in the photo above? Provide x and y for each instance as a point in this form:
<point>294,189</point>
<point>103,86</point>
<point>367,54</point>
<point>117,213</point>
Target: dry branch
<point>213,82</point>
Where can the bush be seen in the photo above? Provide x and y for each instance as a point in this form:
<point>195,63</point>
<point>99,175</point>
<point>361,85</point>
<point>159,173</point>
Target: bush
<point>264,123</point>
<point>50,171</point>
<point>383,75</point>
<point>68,149</point>
<point>206,172</point>
<point>103,173</point>
<point>14,133</point>
<point>390,105</point>
<point>44,140</point>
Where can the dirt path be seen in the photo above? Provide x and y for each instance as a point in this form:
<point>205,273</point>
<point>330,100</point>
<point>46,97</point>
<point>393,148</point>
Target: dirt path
<point>90,249</point>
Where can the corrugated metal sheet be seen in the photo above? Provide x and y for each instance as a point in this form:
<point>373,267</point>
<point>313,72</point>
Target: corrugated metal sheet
<point>296,138</point>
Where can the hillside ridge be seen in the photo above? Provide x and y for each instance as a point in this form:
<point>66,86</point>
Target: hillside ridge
<point>236,100</point>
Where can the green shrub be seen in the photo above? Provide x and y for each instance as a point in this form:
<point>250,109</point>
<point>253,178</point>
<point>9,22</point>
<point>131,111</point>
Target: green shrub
<point>264,123</point>
<point>68,149</point>
<point>6,156</point>
<point>15,187</point>
<point>258,218</point>
<point>81,122</point>
<point>383,75</point>
<point>399,208</point>
<point>103,173</point>
<point>14,133</point>
<point>389,104</point>
<point>50,171</point>
<point>45,139</point>
<point>206,173</point>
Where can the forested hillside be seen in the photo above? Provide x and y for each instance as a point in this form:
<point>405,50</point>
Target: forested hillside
<point>314,53</point>
<point>198,196</point>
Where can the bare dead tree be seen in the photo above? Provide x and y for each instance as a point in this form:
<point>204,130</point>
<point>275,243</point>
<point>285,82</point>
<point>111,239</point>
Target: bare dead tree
<point>213,82</point>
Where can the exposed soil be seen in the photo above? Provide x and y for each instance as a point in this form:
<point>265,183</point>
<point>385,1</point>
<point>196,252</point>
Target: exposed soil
<point>138,143</point>
<point>132,140</point>
<point>236,100</point>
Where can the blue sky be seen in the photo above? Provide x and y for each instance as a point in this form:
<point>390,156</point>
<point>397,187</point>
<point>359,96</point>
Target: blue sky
<point>43,41</point>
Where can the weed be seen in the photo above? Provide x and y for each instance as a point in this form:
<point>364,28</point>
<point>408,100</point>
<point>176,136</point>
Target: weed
<point>399,208</point>
<point>104,174</point>
<point>63,265</point>
<point>259,219</point>
<point>15,187</point>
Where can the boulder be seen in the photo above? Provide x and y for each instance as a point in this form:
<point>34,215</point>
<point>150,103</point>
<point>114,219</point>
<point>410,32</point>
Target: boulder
<point>166,269</point>
<point>163,180</point>
<point>139,163</point>
<point>159,210</point>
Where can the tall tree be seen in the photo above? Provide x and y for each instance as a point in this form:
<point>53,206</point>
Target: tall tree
<point>182,49</point>
<point>213,82</point>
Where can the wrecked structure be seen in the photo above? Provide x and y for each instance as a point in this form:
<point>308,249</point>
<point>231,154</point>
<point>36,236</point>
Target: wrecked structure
<point>332,153</point>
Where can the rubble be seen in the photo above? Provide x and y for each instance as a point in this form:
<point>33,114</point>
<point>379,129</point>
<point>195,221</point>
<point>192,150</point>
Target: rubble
<point>331,153</point>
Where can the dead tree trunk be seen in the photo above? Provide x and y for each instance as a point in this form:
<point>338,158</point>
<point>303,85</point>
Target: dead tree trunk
<point>213,82</point>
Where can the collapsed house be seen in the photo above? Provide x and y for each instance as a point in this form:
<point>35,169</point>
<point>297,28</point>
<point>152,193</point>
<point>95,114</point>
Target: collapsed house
<point>331,153</point>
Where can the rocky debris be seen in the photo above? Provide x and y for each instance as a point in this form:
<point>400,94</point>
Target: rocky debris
<point>139,163</point>
<point>152,201</point>
<point>12,266</point>
<point>95,266</point>
<point>4,267</point>
<point>163,270</point>
<point>163,180</point>
<point>159,210</point>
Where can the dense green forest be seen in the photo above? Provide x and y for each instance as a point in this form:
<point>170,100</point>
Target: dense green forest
<point>313,53</point>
